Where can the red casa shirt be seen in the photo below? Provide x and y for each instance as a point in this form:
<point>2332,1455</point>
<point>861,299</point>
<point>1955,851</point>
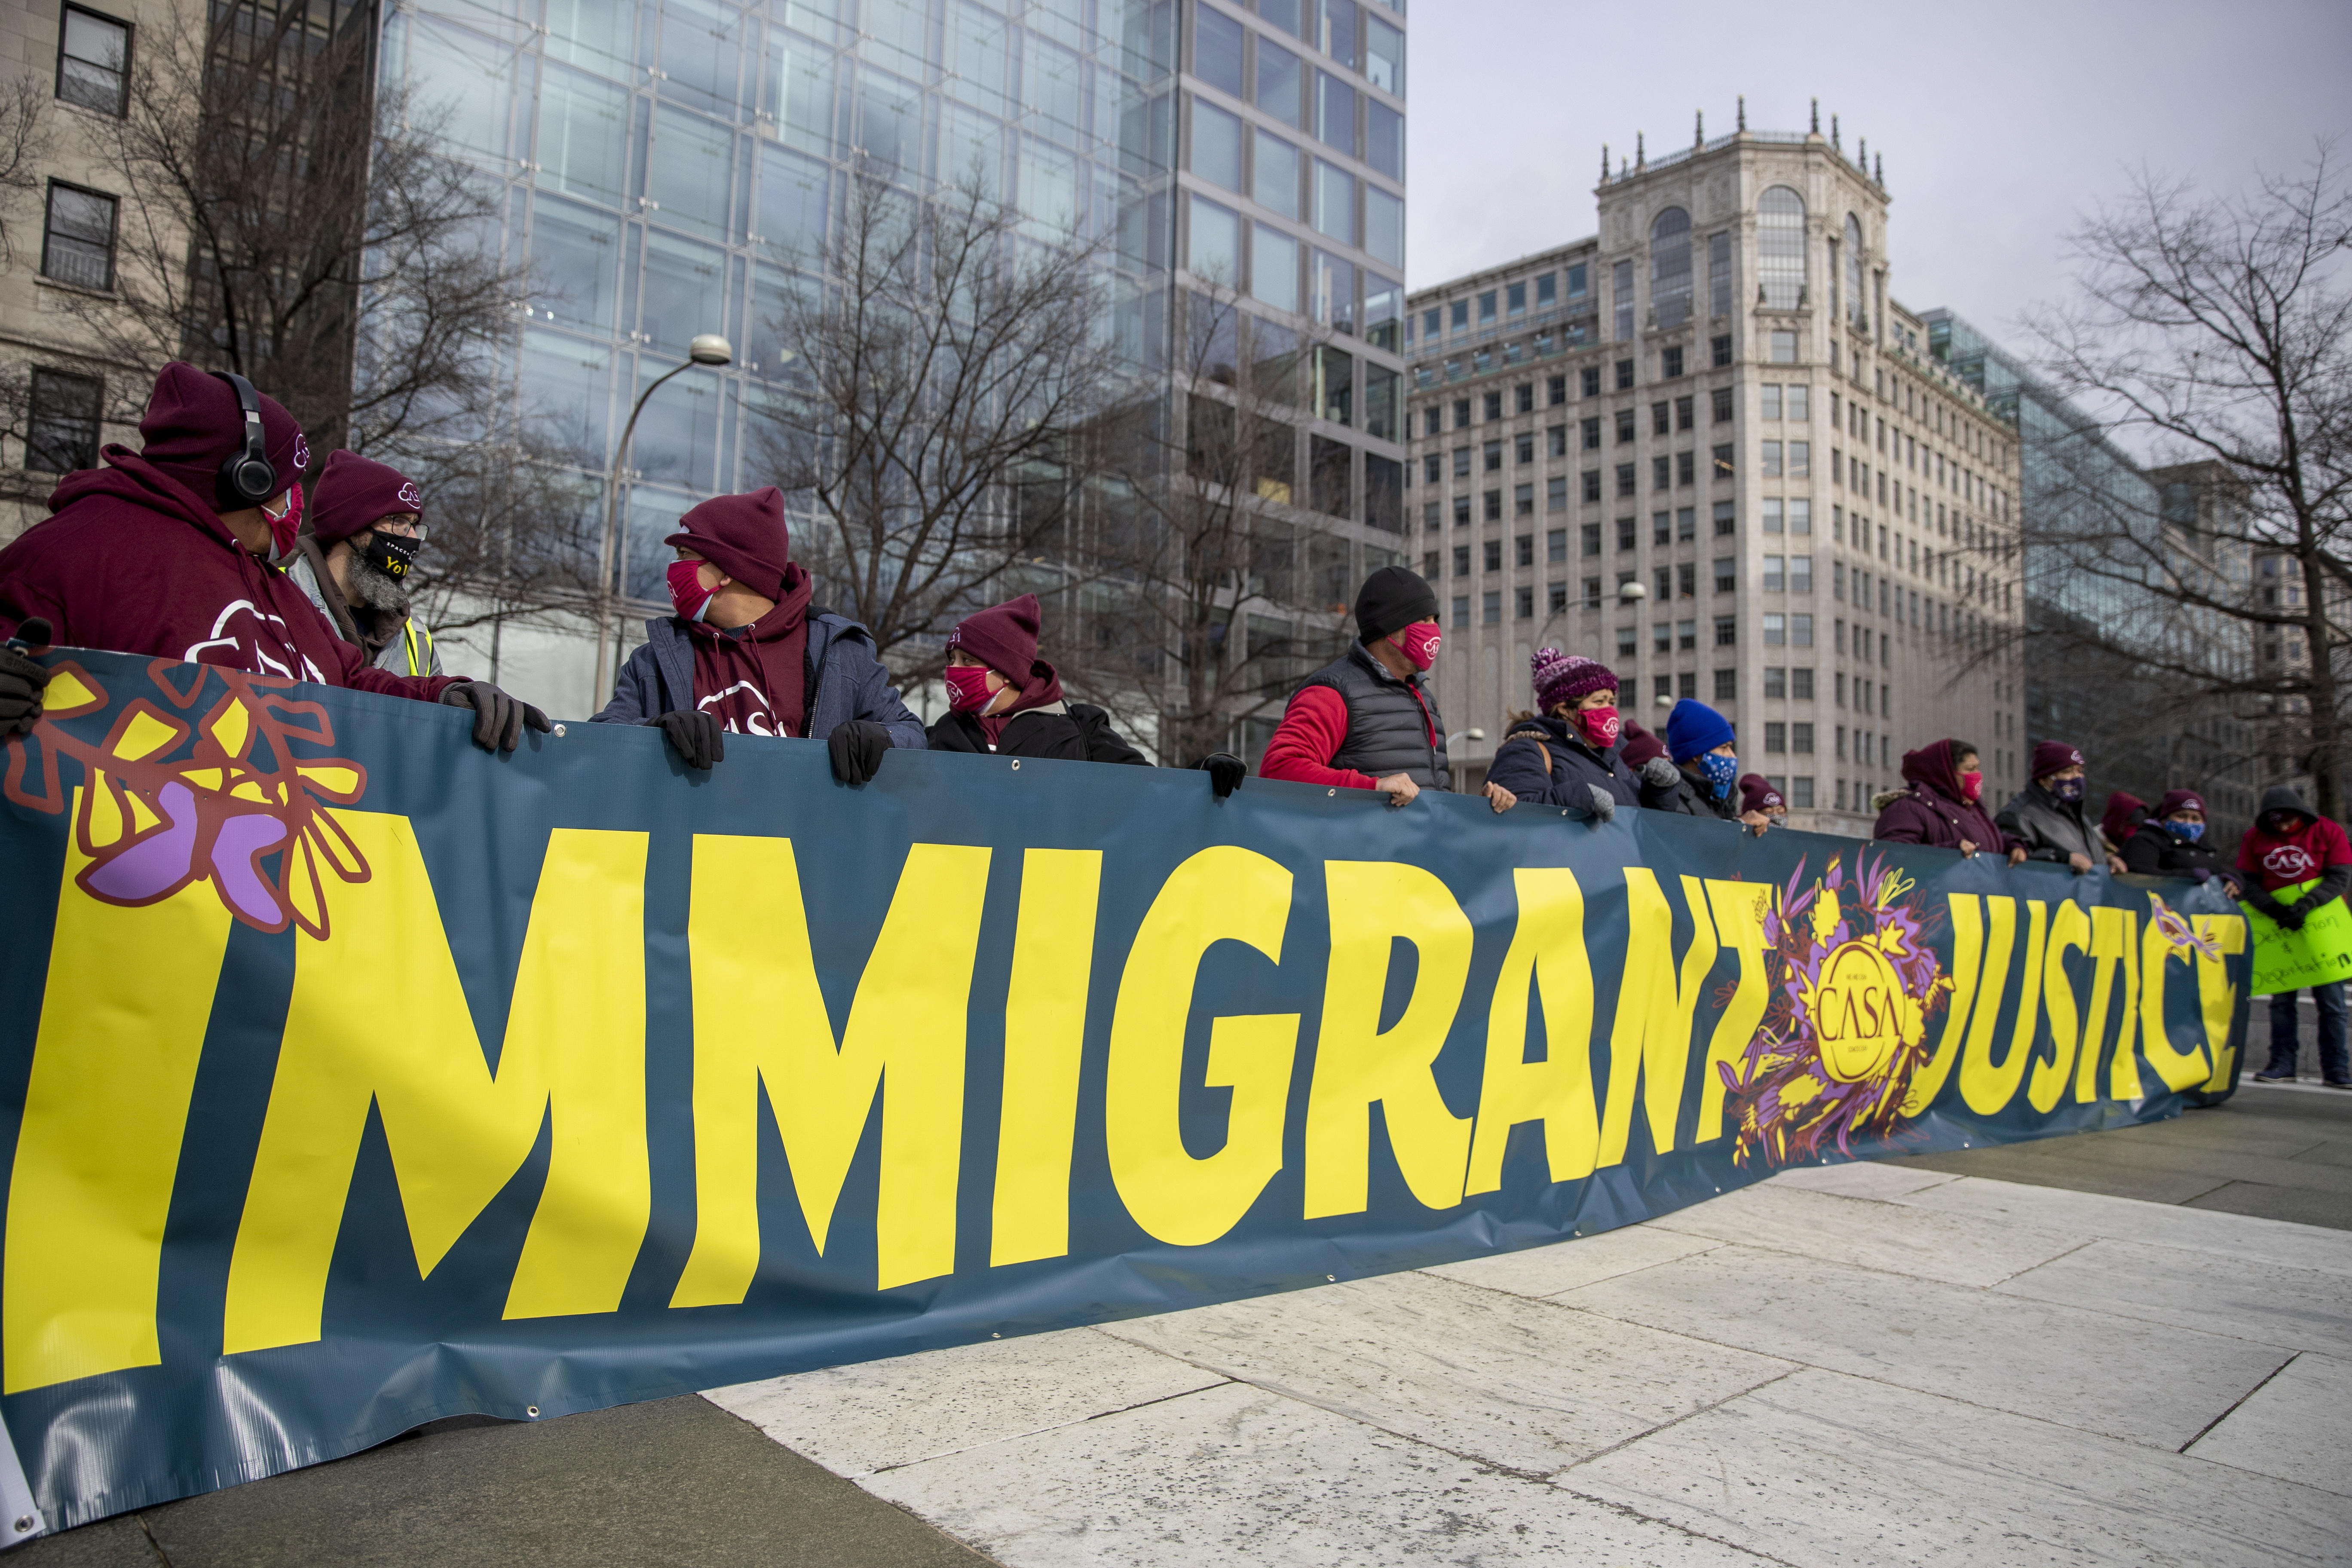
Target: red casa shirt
<point>2287,860</point>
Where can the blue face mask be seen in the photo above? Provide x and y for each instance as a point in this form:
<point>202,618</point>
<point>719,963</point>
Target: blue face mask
<point>2189,831</point>
<point>1722,772</point>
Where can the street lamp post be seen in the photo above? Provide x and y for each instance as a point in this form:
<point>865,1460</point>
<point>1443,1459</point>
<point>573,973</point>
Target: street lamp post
<point>708,348</point>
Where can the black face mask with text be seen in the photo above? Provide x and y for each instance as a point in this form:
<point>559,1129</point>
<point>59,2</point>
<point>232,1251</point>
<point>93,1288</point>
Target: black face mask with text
<point>390,554</point>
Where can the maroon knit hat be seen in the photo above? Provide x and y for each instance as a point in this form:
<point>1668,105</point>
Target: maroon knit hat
<point>2052,755</point>
<point>1564,677</point>
<point>1638,746</point>
<point>2179,800</point>
<point>743,536</point>
<point>1756,795</point>
<point>1004,638</point>
<point>193,425</point>
<point>354,493</point>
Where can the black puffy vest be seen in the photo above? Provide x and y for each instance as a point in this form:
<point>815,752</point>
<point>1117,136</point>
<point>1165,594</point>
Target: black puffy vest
<point>1387,730</point>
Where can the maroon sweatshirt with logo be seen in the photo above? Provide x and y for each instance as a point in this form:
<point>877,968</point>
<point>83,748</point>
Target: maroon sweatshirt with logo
<point>131,561</point>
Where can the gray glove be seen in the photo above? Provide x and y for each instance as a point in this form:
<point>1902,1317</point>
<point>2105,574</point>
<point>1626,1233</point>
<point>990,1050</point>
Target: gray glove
<point>1660,772</point>
<point>1604,804</point>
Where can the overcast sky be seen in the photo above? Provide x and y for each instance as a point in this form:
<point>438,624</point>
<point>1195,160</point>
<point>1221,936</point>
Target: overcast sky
<point>1999,120</point>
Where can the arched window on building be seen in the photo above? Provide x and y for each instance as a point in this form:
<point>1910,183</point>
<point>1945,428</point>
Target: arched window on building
<point>1780,247</point>
<point>1858,305</point>
<point>1670,267</point>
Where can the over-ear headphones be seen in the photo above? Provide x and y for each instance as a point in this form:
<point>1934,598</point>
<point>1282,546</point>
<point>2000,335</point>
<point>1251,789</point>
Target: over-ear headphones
<point>247,477</point>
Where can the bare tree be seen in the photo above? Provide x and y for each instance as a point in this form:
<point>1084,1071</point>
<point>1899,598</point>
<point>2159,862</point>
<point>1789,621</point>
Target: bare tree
<point>1217,591</point>
<point>943,364</point>
<point>24,144</point>
<point>2220,331</point>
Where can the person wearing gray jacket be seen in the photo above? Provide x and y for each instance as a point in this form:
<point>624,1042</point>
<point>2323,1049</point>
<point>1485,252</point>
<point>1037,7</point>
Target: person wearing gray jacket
<point>747,654</point>
<point>2047,814</point>
<point>353,557</point>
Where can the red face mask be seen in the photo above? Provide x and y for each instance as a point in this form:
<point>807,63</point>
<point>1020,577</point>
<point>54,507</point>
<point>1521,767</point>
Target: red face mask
<point>1971,786</point>
<point>1601,726</point>
<point>1418,642</point>
<point>968,689</point>
<point>282,529</point>
<point>686,589</point>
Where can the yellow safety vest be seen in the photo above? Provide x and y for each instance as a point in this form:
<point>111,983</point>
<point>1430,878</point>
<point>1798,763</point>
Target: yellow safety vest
<point>408,634</point>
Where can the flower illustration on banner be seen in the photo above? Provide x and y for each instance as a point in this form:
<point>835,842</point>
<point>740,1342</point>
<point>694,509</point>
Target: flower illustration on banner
<point>171,797</point>
<point>1855,987</point>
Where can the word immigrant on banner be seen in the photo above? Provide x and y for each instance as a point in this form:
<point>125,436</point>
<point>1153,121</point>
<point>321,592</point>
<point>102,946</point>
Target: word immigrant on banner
<point>358,1078</point>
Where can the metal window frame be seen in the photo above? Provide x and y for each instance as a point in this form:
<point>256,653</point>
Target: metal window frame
<point>130,49</point>
<point>114,229</point>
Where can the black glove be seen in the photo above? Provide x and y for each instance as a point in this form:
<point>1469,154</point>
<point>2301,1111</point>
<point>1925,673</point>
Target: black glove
<point>1225,772</point>
<point>858,746</point>
<point>498,718</point>
<point>2290,916</point>
<point>1604,804</point>
<point>695,737</point>
<point>22,680</point>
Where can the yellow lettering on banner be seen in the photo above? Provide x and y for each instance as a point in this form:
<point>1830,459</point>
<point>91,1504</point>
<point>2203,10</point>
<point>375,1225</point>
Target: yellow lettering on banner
<point>2123,1076</point>
<point>1984,1017</point>
<point>2179,1070</point>
<point>759,1019</point>
<point>2070,930</point>
<point>1739,909</point>
<point>457,1132</point>
<point>1045,1042</point>
<point>1548,952</point>
<point>1357,1064</point>
<point>1220,894</point>
<point>1987,1085</point>
<point>123,1014</point>
<point>1967,975</point>
<point>1650,1038</point>
<point>2216,991</point>
<point>2111,949</point>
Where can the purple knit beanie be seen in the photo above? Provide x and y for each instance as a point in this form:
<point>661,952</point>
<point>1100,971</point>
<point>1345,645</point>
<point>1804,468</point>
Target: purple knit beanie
<point>1564,677</point>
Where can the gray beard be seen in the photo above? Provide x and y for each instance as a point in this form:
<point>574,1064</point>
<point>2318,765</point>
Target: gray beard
<point>371,588</point>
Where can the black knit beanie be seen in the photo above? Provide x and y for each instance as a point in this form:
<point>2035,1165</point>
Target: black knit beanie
<point>1390,600</point>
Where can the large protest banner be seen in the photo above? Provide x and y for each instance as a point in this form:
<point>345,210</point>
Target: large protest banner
<point>352,1076</point>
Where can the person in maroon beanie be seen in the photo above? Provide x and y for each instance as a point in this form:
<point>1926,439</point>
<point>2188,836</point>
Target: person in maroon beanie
<point>1756,795</point>
<point>364,525</point>
<point>159,553</point>
<point>2048,815</point>
<point>748,653</point>
<point>1002,698</point>
<point>2122,819</point>
<point>1943,804</point>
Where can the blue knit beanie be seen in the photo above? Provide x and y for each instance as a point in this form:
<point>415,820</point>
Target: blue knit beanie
<point>1693,728</point>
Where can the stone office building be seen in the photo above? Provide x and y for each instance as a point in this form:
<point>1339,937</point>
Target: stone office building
<point>1708,448</point>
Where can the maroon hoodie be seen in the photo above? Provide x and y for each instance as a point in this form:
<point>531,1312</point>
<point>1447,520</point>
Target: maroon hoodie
<point>131,561</point>
<point>1936,810</point>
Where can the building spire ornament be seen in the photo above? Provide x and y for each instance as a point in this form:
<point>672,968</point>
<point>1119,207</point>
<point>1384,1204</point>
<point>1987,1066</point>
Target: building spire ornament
<point>1604,162</point>
<point>1817,115</point>
<point>1879,177</point>
<point>1834,135</point>
<point>1699,132</point>
<point>1863,143</point>
<point>1743,113</point>
<point>1640,157</point>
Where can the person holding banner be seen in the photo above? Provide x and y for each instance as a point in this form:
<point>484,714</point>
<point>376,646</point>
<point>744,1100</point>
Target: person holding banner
<point>2171,843</point>
<point>2289,848</point>
<point>2046,815</point>
<point>165,552</point>
<point>1568,755</point>
<point>747,654</point>
<point>1944,805</point>
<point>1756,795</point>
<point>1368,720</point>
<point>1701,747</point>
<point>1003,698</point>
<point>2122,818</point>
<point>353,557</point>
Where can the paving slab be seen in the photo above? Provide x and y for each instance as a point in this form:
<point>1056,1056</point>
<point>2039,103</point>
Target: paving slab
<point>878,1414</point>
<point>2298,1308</point>
<point>2033,1165</point>
<point>2127,1219</point>
<point>2144,1383</point>
<point>1829,1470</point>
<point>1861,1179</point>
<point>1241,1475</point>
<point>2298,1206</point>
<point>1958,1249</point>
<point>2297,1428</point>
<point>1565,1265</point>
<point>1528,1385</point>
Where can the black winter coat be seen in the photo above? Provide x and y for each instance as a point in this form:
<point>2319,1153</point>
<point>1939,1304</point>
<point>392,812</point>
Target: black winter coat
<point>1575,767</point>
<point>2050,829</point>
<point>1073,731</point>
<point>2153,852</point>
<point>1689,794</point>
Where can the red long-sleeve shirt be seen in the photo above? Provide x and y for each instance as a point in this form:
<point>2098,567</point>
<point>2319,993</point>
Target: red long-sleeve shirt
<point>1313,729</point>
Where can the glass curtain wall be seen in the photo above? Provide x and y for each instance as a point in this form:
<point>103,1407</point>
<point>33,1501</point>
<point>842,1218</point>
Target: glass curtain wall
<point>669,167</point>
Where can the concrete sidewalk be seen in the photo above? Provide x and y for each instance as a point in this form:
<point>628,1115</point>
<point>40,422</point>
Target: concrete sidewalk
<point>1889,1364</point>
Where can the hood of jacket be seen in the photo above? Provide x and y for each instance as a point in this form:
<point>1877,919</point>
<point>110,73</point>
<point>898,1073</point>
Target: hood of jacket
<point>2283,797</point>
<point>128,477</point>
<point>1935,767</point>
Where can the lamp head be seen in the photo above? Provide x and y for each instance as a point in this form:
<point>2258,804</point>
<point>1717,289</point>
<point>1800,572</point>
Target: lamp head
<point>709,348</point>
<point>1631,593</point>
